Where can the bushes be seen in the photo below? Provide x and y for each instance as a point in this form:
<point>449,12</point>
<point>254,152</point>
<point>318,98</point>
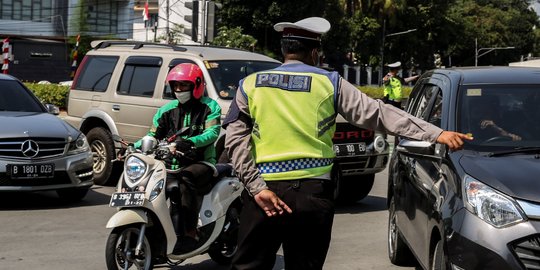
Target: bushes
<point>50,93</point>
<point>57,94</point>
<point>377,92</point>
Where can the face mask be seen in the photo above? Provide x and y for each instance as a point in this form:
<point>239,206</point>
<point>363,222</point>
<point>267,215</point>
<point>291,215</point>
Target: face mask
<point>183,97</point>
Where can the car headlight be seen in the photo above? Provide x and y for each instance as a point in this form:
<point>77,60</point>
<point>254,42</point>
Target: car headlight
<point>134,168</point>
<point>158,187</point>
<point>79,145</point>
<point>490,205</point>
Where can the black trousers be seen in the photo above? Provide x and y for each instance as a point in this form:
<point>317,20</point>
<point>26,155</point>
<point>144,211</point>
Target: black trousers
<point>186,190</point>
<point>305,234</point>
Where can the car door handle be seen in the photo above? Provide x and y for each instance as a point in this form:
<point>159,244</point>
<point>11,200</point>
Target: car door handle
<point>116,108</point>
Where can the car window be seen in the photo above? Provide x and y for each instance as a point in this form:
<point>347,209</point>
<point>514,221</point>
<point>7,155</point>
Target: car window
<point>14,97</point>
<point>435,115</point>
<point>421,105</point>
<point>226,74</point>
<point>139,76</point>
<point>500,115</point>
<point>96,73</point>
<point>167,93</point>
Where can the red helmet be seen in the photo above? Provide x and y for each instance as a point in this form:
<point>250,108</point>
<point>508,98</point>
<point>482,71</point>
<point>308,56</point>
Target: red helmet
<point>188,72</point>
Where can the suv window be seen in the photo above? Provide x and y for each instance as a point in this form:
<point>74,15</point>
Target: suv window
<point>96,73</point>
<point>139,76</point>
<point>226,74</point>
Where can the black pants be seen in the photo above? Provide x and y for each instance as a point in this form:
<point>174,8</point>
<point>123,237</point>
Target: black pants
<point>186,190</point>
<point>305,234</point>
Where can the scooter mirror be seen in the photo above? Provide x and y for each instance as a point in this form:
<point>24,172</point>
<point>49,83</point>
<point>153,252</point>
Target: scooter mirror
<point>148,143</point>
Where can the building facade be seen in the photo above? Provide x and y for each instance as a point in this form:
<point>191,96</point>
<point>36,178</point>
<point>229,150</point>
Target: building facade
<point>39,31</point>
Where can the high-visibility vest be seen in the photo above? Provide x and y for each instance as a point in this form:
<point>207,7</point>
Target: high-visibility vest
<point>293,109</point>
<point>393,90</point>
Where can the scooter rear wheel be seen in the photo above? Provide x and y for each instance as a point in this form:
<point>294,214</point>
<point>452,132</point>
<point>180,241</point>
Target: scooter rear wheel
<point>224,248</point>
<point>120,250</point>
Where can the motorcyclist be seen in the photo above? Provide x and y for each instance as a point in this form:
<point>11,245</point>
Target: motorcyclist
<point>194,151</point>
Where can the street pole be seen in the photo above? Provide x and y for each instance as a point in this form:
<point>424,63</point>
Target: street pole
<point>167,34</point>
<point>487,50</point>
<point>382,46</point>
<point>382,52</point>
<point>203,23</point>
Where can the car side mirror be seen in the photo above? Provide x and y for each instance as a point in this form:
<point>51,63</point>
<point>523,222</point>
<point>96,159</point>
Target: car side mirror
<point>52,109</point>
<point>421,149</point>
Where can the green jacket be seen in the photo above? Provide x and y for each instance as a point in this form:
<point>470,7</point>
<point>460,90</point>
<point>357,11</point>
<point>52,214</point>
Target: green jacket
<point>202,116</point>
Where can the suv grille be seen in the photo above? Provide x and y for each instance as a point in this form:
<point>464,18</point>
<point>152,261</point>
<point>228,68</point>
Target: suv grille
<point>528,251</point>
<point>33,147</point>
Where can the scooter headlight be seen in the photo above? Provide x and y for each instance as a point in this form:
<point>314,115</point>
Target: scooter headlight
<point>134,168</point>
<point>156,190</point>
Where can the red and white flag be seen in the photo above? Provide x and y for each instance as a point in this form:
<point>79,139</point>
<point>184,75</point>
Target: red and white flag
<point>145,14</point>
<point>5,55</point>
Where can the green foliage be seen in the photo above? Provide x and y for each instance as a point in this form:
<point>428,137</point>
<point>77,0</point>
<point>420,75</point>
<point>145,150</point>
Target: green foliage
<point>234,38</point>
<point>50,93</point>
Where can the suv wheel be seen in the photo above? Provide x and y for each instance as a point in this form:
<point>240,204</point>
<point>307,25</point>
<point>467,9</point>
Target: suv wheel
<point>102,146</point>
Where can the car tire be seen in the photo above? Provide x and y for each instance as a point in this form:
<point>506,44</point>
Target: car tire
<point>398,251</point>
<point>72,194</point>
<point>439,258</point>
<point>350,189</point>
<point>102,146</point>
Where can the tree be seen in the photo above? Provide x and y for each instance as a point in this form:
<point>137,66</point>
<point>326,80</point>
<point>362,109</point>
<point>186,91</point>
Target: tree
<point>234,38</point>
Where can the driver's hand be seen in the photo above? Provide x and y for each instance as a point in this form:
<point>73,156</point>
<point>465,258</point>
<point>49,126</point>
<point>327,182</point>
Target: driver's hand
<point>486,123</point>
<point>514,137</point>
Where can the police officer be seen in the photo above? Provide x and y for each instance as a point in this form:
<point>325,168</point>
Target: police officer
<point>393,91</point>
<point>279,137</point>
<point>202,116</point>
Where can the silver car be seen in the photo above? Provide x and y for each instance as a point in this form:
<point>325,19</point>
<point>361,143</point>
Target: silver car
<point>38,150</point>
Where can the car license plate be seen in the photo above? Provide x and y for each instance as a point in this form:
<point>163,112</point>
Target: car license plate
<point>25,171</point>
<point>121,199</point>
<point>350,149</point>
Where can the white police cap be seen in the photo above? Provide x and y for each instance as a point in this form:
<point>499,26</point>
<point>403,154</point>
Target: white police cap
<point>394,65</point>
<point>309,28</point>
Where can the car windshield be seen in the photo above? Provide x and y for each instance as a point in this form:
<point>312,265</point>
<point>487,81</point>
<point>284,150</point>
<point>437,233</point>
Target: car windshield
<point>226,74</point>
<point>14,97</point>
<point>500,117</point>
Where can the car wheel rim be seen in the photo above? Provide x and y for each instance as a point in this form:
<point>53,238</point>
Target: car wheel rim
<point>99,156</point>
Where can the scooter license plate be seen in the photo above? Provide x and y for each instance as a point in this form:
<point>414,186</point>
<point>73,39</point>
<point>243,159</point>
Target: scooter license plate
<point>122,199</point>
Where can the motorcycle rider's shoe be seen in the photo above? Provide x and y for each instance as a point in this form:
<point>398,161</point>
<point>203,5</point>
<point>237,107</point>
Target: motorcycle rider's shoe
<point>185,244</point>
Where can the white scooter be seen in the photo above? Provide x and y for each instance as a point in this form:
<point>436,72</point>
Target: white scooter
<point>143,234</point>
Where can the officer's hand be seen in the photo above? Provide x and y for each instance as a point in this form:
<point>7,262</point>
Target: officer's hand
<point>271,204</point>
<point>454,140</point>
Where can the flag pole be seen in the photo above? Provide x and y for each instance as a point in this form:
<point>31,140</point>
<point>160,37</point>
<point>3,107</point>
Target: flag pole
<point>146,17</point>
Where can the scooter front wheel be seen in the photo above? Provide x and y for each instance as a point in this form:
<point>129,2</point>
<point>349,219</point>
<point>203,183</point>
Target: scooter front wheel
<point>120,250</point>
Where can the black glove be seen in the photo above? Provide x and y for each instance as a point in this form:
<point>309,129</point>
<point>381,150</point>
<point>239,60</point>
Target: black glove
<point>184,146</point>
<point>188,153</point>
<point>385,99</point>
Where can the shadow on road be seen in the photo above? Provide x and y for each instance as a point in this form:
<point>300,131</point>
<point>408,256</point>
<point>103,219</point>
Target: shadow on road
<point>368,204</point>
<point>211,265</point>
<point>48,200</point>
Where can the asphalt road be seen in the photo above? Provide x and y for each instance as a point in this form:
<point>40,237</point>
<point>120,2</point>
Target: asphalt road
<point>37,231</point>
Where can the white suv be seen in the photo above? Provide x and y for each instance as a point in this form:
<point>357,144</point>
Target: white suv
<point>120,85</point>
